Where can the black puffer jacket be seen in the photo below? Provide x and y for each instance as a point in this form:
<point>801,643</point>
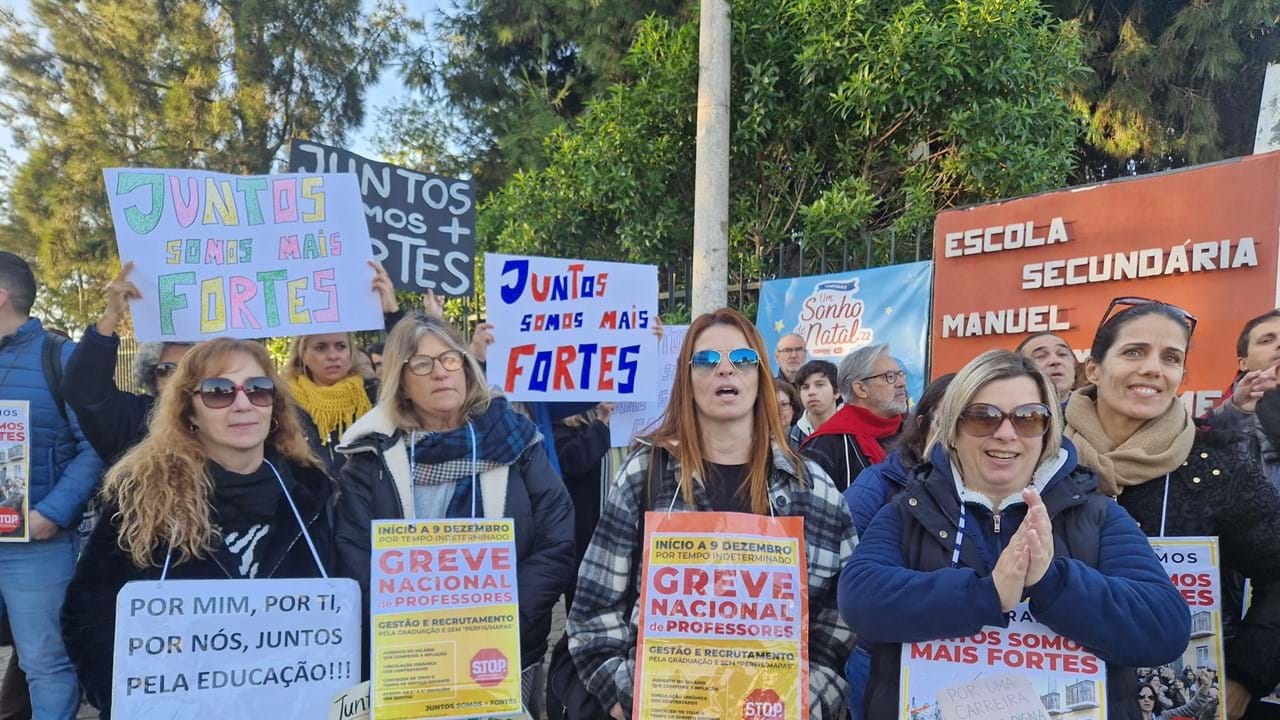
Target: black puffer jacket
<point>88,614</point>
<point>1221,491</point>
<point>113,420</point>
<point>376,485</point>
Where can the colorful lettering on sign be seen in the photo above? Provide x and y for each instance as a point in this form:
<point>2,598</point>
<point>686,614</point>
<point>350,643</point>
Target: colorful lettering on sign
<point>554,369</point>
<point>573,285</point>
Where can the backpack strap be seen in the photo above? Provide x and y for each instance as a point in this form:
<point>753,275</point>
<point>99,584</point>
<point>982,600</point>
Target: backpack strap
<point>51,363</point>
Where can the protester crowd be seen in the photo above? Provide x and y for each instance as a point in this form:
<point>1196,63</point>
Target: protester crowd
<point>1029,476</point>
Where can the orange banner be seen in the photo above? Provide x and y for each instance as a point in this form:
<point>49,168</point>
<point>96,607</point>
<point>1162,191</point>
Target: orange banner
<point>1203,238</point>
<point>724,626</point>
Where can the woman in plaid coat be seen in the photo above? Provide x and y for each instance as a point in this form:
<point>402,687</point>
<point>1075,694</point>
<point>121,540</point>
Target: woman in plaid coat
<point>722,448</point>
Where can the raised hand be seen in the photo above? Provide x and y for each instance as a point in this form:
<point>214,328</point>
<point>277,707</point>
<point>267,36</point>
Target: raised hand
<point>481,341</point>
<point>119,293</point>
<point>433,305</point>
<point>382,285</point>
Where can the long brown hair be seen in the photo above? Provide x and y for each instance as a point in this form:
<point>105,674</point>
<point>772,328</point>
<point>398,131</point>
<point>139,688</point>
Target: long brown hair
<point>162,487</point>
<point>678,431</point>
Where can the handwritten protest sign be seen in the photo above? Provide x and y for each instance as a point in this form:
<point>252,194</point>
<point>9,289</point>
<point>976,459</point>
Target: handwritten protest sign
<point>446,621</point>
<point>15,469</point>
<point>569,330</point>
<point>723,618</point>
<point>243,256</point>
<point>1060,675</point>
<point>351,704</point>
<point>631,419</point>
<point>423,226</point>
<point>230,648</point>
<point>1192,564</point>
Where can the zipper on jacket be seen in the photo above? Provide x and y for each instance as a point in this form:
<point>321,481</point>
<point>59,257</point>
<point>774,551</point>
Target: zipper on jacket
<point>995,521</point>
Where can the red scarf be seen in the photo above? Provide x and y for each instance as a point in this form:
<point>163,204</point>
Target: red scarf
<point>867,429</point>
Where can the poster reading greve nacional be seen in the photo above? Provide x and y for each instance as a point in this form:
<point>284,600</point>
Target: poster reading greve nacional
<point>837,314</point>
<point>244,256</point>
<point>234,649</point>
<point>15,469</point>
<point>445,614</point>
<point>1024,670</point>
<point>423,225</point>
<point>572,330</point>
<point>1192,564</point>
<point>723,624</point>
<point>632,419</point>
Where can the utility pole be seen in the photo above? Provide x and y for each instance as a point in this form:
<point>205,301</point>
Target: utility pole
<point>710,289</point>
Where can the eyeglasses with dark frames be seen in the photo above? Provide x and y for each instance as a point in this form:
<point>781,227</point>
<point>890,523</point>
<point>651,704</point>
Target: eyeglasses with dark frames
<point>450,360</point>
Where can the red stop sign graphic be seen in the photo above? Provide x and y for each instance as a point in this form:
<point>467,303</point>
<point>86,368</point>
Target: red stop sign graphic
<point>10,519</point>
<point>489,667</point>
<point>763,705</point>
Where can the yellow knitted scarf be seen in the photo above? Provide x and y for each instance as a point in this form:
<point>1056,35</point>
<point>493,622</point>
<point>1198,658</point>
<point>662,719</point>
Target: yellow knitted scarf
<point>331,408</point>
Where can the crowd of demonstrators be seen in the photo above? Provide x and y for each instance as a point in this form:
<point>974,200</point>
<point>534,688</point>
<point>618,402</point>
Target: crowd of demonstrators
<point>1054,357</point>
<point>63,473</point>
<point>874,389</point>
<point>791,356</point>
<point>1177,477</point>
<point>114,420</point>
<point>1198,701</point>
<point>1000,512</point>
<point>224,486</point>
<point>1252,411</point>
<point>816,383</point>
<point>439,444</point>
<point>719,447</point>
<point>330,391</point>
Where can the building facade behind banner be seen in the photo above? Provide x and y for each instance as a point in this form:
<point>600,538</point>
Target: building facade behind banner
<point>839,313</point>
<point>1203,238</point>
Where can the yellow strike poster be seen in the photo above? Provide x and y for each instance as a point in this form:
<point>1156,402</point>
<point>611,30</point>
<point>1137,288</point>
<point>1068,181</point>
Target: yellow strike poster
<point>446,623</point>
<point>723,618</point>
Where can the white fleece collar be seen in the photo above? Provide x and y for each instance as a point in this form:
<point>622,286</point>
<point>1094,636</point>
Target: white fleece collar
<point>1039,480</point>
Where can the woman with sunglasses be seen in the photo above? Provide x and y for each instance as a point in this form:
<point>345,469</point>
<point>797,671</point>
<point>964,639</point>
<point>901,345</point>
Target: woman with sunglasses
<point>114,420</point>
<point>1177,478</point>
<point>437,445</point>
<point>1203,703</point>
<point>326,381</point>
<point>720,447</point>
<point>1001,512</point>
<point>223,487</point>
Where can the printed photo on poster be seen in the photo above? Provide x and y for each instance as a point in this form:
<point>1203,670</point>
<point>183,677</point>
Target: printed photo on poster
<point>423,226</point>
<point>243,256</point>
<point>949,679</point>
<point>1175,688</point>
<point>445,615</point>
<point>633,419</point>
<point>572,330</point>
<point>723,623</point>
<point>837,314</point>
<point>15,469</point>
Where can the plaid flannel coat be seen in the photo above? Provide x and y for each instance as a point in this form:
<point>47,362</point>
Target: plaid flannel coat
<point>602,636</point>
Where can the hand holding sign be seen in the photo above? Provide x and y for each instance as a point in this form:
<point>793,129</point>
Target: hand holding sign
<point>433,305</point>
<point>119,293</point>
<point>382,286</point>
<point>481,341</point>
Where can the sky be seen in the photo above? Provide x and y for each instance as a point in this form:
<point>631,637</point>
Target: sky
<point>360,141</point>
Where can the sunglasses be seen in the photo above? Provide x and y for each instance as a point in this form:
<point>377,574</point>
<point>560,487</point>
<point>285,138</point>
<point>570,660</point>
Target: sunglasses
<point>450,360</point>
<point>1146,696</point>
<point>164,369</point>
<point>1121,304</point>
<point>217,393</point>
<point>740,358</point>
<point>983,420</point>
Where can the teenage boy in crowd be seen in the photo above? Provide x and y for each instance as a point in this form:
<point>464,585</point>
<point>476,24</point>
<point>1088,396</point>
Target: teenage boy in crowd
<point>816,380</point>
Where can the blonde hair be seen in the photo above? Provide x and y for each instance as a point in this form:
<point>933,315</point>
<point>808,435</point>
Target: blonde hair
<point>294,367</point>
<point>987,368</point>
<point>162,488</point>
<point>402,345</point>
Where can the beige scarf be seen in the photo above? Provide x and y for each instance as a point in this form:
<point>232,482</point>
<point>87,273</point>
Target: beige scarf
<point>1158,447</point>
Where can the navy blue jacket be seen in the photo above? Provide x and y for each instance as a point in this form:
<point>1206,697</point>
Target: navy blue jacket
<point>874,488</point>
<point>64,470</point>
<point>899,586</point>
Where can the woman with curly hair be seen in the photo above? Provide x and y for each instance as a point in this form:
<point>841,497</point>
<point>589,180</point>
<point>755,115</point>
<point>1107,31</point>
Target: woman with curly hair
<point>224,486</point>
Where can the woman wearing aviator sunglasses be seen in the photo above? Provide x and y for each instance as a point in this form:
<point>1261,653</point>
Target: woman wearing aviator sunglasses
<point>1001,512</point>
<point>720,446</point>
<point>437,445</point>
<point>223,487</point>
<point>1178,478</point>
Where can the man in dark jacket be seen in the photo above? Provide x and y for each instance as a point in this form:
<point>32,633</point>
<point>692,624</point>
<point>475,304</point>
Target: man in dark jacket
<point>874,389</point>
<point>791,355</point>
<point>63,473</point>
<point>1255,396</point>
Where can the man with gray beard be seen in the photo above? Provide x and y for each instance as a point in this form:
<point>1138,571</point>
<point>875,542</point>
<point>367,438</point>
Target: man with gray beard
<point>874,389</point>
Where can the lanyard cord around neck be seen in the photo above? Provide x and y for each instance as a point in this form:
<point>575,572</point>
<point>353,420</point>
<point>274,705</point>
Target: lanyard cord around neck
<point>413,462</point>
<point>955,554</point>
<point>168,555</point>
<point>1164,506</point>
